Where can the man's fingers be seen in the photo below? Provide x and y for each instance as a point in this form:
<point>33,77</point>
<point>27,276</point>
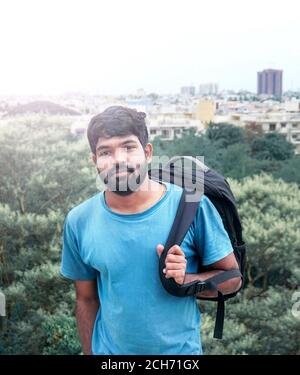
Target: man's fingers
<point>175,258</point>
<point>175,263</point>
<point>175,273</point>
<point>159,249</point>
<point>175,249</point>
<point>174,266</point>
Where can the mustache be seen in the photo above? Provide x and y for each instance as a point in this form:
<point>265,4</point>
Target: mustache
<point>107,175</point>
<point>124,181</point>
<point>120,169</point>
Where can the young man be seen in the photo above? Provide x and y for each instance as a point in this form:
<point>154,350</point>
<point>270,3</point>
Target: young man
<point>112,243</point>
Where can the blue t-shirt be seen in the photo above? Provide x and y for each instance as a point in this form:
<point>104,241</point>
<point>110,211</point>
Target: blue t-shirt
<point>137,315</point>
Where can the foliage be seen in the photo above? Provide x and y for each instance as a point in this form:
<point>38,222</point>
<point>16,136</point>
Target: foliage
<point>272,146</point>
<point>225,134</point>
<point>45,171</point>
<point>260,320</point>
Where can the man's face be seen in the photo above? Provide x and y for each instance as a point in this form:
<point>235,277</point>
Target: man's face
<point>122,163</point>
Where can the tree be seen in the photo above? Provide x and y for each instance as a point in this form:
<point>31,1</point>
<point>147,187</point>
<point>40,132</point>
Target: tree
<point>290,170</point>
<point>45,173</point>
<point>260,319</point>
<point>237,163</point>
<point>253,131</point>
<point>270,211</point>
<point>225,134</point>
<point>49,172</point>
<point>191,144</point>
<point>272,146</point>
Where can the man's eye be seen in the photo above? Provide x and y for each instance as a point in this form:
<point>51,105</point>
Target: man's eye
<point>104,153</point>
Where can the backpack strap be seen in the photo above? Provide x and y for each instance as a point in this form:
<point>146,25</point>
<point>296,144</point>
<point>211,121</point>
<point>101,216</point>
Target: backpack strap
<point>212,284</point>
<point>184,218</point>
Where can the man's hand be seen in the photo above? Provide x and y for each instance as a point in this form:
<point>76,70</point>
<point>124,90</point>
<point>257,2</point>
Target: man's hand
<point>175,263</point>
<point>87,305</point>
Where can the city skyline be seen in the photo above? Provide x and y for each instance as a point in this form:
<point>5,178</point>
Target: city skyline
<point>118,47</point>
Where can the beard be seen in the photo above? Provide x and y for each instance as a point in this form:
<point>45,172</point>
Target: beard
<point>126,183</point>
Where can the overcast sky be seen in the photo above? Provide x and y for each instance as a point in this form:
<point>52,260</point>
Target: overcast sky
<point>118,46</point>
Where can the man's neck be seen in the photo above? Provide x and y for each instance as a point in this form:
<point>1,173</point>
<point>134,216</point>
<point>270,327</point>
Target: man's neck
<point>146,196</point>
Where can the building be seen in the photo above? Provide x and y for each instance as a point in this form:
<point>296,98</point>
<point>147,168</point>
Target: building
<point>284,123</point>
<point>269,82</point>
<point>205,111</point>
<point>167,126</point>
<point>292,106</point>
<point>208,89</point>
<point>188,90</point>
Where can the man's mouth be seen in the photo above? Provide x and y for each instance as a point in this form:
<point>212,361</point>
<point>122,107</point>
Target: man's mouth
<point>119,172</point>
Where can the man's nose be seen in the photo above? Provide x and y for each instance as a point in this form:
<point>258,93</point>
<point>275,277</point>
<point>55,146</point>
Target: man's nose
<point>121,156</point>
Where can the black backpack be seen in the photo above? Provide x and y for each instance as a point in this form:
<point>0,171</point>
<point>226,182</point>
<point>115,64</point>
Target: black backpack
<point>193,176</point>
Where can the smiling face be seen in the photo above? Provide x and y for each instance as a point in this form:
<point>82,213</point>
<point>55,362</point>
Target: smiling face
<point>122,163</point>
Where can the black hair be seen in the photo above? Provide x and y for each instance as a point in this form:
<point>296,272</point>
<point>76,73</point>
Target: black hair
<point>117,121</point>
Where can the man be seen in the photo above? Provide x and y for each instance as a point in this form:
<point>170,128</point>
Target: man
<point>112,242</point>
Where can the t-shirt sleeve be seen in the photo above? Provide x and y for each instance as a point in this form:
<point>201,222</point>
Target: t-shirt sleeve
<point>212,240</point>
<point>72,265</point>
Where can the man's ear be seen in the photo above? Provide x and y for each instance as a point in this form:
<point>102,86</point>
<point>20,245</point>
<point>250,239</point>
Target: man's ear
<point>149,152</point>
<point>94,159</point>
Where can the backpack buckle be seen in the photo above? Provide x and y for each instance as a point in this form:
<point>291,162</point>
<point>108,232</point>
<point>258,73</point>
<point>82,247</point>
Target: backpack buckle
<point>200,287</point>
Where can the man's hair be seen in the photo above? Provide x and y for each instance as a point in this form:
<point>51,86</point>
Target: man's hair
<point>117,121</point>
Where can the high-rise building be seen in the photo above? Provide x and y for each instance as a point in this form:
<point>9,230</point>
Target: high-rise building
<point>188,90</point>
<point>269,82</point>
<point>208,89</point>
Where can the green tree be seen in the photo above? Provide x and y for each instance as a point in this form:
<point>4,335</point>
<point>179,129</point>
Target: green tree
<point>238,164</point>
<point>191,144</point>
<point>46,172</point>
<point>272,146</point>
<point>260,319</point>
<point>225,134</point>
<point>290,170</point>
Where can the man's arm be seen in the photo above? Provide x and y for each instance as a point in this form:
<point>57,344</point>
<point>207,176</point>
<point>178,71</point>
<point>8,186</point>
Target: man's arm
<point>176,267</point>
<point>87,305</point>
<point>225,264</point>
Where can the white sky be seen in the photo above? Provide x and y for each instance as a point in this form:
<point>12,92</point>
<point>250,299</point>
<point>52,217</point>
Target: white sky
<point>116,46</point>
